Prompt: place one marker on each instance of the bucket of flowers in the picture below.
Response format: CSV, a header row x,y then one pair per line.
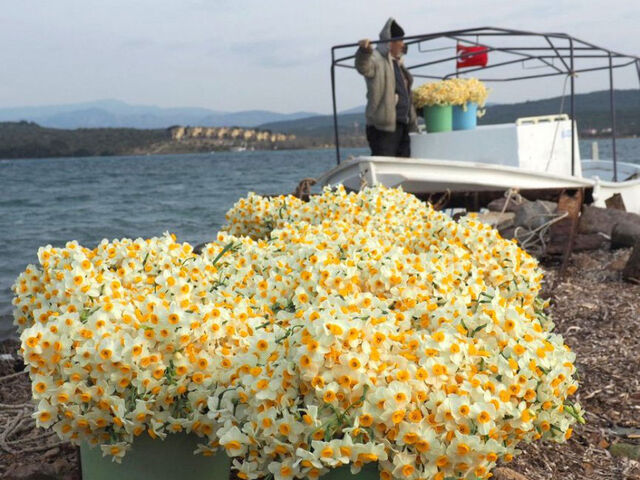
x,y
358,335
436,100
471,96
451,104
118,356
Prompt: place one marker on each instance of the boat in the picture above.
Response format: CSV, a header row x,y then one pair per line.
x,y
538,155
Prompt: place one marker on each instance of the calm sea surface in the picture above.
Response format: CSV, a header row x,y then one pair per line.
x,y
54,200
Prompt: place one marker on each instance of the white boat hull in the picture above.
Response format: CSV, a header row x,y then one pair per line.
x,y
422,175
601,171
534,153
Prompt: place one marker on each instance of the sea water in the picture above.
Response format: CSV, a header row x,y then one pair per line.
x,y
55,200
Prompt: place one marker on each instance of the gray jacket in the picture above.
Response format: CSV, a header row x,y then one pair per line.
x,y
377,68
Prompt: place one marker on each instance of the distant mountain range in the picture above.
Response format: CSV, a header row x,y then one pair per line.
x,y
592,110
97,135
117,114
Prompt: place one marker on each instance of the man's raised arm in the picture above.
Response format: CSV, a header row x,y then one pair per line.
x,y
364,65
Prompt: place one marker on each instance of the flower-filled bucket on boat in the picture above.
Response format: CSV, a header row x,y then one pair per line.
x,y
438,118
465,117
463,95
168,459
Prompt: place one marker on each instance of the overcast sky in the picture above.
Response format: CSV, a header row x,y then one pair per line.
x,y
242,54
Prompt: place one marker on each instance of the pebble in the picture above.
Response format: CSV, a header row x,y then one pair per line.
x,y
504,473
628,450
52,453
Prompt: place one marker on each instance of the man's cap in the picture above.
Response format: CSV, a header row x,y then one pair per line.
x,y
396,30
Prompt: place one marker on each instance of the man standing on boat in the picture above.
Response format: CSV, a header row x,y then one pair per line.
x,y
390,113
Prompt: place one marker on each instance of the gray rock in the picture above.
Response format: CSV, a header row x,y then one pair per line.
x,y
498,205
628,450
198,248
533,215
496,219
508,232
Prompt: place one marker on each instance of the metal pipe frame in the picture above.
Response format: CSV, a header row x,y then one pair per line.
x,y
613,123
573,110
335,108
543,75
567,55
510,50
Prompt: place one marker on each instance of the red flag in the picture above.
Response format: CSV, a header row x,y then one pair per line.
x,y
472,56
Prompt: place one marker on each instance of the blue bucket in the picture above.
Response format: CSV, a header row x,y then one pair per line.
x,y
465,120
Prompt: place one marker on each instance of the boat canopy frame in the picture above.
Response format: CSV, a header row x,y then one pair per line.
x,y
569,52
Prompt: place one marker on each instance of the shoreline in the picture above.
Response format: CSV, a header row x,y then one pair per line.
x,y
25,139
346,143
144,155
19,140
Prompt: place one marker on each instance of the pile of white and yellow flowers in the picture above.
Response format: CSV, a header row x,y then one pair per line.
x,y
355,328
452,91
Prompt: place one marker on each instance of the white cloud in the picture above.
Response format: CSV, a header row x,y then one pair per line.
x,y
245,54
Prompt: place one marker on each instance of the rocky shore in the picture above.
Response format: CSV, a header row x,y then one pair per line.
x,y
596,312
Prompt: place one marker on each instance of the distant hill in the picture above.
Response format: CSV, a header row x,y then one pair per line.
x,y
592,112
30,140
117,114
321,126
358,109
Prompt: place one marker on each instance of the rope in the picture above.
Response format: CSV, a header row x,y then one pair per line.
x,y
13,375
17,423
12,424
49,433
16,406
555,133
509,193
533,240
18,431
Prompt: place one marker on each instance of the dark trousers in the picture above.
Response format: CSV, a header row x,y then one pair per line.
x,y
389,144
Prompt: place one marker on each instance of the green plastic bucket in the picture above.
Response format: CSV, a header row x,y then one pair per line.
x,y
168,459
438,118
368,472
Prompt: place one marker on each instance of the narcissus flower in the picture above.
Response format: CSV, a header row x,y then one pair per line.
x,y
355,329
452,91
